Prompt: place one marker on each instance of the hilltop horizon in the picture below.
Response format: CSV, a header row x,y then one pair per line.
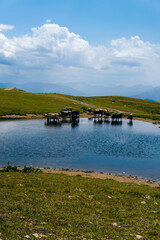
x,y
137,91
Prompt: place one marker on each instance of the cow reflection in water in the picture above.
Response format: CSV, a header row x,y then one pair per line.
x,y
107,121
98,121
130,123
116,123
62,122
53,124
75,124
130,117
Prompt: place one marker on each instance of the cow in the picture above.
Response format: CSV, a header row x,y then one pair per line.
x,y
52,116
106,113
90,111
116,116
67,109
75,113
98,112
65,114
130,117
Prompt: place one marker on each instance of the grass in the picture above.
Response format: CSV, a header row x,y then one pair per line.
x,y
140,108
21,103
57,206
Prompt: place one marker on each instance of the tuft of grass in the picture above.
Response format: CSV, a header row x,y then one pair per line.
x,y
57,206
9,168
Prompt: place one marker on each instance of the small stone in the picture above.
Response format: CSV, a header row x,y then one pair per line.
x,y
148,197
153,211
39,235
115,224
91,196
27,236
36,235
143,202
139,237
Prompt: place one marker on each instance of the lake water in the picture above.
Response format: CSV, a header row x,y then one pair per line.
x,y
104,147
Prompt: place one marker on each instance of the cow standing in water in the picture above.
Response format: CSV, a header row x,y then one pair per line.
x,y
117,116
130,117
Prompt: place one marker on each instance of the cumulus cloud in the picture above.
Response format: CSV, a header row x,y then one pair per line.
x,y
4,27
53,53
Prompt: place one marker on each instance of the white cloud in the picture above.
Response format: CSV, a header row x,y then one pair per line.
x,y
4,27
52,53
48,21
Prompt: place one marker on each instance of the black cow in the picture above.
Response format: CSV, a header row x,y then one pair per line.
x,y
98,112
116,116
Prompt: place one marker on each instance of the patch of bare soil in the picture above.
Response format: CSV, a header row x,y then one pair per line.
x,y
8,89
27,116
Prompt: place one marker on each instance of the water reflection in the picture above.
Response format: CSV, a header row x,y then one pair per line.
x,y
75,124
98,121
62,122
116,123
130,123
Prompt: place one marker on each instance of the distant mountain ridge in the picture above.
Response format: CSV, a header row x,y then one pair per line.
x,y
38,87
153,95
84,89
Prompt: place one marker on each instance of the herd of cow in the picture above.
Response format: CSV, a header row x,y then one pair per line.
x,y
64,113
74,115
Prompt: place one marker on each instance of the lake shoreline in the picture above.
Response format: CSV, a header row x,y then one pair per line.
x,y
100,175
83,115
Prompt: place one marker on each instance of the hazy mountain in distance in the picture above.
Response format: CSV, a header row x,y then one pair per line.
x,y
120,90
153,95
38,87
84,89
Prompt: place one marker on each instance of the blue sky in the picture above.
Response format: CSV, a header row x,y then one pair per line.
x,y
119,39
97,21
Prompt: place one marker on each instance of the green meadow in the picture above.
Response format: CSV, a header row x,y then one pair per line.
x,y
57,206
19,102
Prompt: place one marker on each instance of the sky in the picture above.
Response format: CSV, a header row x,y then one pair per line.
x,y
105,42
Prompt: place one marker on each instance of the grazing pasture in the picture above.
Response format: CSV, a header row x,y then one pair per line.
x,y
57,206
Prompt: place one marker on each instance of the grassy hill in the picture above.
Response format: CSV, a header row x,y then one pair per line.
x,y
19,102
57,206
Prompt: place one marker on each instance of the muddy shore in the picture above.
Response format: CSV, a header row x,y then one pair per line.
x,y
100,175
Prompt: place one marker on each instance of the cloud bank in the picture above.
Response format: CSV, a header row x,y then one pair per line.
x,y
52,53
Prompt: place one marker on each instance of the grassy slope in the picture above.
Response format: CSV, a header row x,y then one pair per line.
x,y
65,207
20,102
139,107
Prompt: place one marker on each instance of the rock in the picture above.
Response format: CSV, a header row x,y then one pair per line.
x,y
139,237
143,202
90,197
148,197
39,235
115,224
27,236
